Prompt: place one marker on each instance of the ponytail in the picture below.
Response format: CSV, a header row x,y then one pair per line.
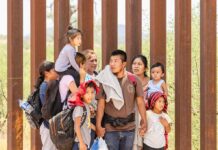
x,y
39,81
44,66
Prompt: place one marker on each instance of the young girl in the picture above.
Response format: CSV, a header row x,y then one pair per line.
x,y
46,74
65,63
83,98
139,68
157,84
158,123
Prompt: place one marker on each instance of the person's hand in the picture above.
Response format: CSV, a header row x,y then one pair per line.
x,y
100,131
141,132
163,121
82,146
82,74
143,128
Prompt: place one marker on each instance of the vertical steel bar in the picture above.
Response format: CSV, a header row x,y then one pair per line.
x,y
38,52
15,74
109,29
183,74
208,74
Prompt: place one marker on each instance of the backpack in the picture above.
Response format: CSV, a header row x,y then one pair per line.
x,y
132,78
53,104
34,115
61,128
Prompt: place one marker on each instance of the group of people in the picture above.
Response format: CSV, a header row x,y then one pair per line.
x,y
115,99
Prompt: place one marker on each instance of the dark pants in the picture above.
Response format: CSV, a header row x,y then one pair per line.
x,y
146,147
120,140
76,146
93,134
73,72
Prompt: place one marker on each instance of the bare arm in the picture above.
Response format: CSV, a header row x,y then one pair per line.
x,y
164,87
99,116
82,74
142,111
73,87
168,128
166,125
93,127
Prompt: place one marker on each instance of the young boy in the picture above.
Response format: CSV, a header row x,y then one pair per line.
x,y
82,125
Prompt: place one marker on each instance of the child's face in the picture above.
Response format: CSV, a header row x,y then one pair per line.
x,y
159,105
89,96
76,41
138,67
156,73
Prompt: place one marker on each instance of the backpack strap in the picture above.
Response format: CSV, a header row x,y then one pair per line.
x,y
132,78
84,116
65,101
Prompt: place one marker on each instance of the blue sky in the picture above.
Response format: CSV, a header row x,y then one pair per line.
x,y
121,12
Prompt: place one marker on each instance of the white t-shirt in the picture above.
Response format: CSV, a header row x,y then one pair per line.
x,y
154,137
64,86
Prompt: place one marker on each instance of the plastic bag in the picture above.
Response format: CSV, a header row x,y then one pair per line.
x,y
99,144
95,145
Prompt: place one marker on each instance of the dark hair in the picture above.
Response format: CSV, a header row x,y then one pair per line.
x,y
144,60
44,66
158,64
72,33
85,85
121,53
91,85
80,58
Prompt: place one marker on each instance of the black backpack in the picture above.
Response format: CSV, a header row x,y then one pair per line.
x,y
35,116
61,128
53,104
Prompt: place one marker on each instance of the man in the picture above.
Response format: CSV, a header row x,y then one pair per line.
x,y
119,92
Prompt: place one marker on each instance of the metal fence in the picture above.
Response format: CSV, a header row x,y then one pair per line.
x,y
133,47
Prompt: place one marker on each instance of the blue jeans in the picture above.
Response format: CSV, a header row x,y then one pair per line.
x,y
120,140
76,146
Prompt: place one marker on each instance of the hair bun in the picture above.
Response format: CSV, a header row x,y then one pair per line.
x,y
69,27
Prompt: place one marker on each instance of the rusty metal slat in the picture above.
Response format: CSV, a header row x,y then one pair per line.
x,y
85,23
61,22
109,29
15,74
133,29
208,74
158,31
38,52
183,74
